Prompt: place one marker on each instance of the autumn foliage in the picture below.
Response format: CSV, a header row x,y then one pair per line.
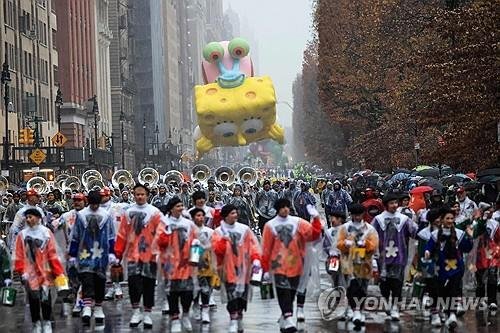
x,y
389,74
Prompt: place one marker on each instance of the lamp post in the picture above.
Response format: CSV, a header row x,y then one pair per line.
x,y
144,129
122,122
59,103
5,83
95,111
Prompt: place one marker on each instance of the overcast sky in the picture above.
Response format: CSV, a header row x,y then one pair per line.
x,y
281,29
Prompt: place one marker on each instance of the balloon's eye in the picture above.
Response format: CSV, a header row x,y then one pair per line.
x,y
225,129
252,125
238,48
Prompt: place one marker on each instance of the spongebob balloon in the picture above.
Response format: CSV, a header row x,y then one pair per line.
x,y
234,108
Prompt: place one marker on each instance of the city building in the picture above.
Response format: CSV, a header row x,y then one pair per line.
x,y
123,89
231,24
29,48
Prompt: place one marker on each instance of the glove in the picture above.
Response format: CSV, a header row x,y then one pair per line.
x,y
266,277
312,211
195,242
348,243
112,259
7,282
256,263
72,262
361,243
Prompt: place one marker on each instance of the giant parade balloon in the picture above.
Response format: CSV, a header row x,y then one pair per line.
x,y
233,108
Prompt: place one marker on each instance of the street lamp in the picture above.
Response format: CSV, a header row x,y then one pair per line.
x,y
59,103
5,83
95,111
122,122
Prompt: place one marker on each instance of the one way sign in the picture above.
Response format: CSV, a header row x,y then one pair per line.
x,y
59,139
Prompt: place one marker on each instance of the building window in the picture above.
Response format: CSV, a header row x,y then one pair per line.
x,y
42,32
54,39
55,74
8,9
30,65
42,3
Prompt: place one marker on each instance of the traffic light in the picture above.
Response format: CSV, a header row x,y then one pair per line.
x,y
26,136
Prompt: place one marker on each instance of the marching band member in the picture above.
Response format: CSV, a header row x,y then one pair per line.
x,y
91,250
32,201
207,277
330,240
302,199
185,196
357,241
447,246
37,263
241,203
162,198
467,206
134,242
283,245
394,230
62,231
264,203
176,235
237,251
199,200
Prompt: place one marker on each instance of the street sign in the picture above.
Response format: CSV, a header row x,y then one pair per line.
x,y
37,156
59,139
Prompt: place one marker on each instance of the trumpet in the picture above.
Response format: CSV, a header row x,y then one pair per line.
x,y
248,175
71,183
225,176
148,176
201,172
38,184
173,176
122,177
89,176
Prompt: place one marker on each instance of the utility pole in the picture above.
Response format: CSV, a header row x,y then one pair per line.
x,y
59,103
95,111
5,83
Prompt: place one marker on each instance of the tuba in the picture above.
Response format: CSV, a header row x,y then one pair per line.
x,y
95,185
201,172
89,176
4,184
225,176
122,177
173,176
248,175
59,182
71,183
148,176
38,184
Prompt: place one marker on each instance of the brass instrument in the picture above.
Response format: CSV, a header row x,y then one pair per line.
x,y
173,176
148,176
90,175
95,185
38,184
71,183
201,172
59,182
4,184
122,177
225,176
248,175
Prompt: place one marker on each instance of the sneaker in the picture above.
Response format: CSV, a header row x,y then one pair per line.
x,y
205,315
98,315
37,327
186,322
148,322
75,312
493,309
47,326
357,318
281,323
175,326
395,314
436,320
426,314
197,312
233,326
86,314
165,309
240,325
110,295
136,318
118,291
211,303
300,314
451,322
289,326
66,309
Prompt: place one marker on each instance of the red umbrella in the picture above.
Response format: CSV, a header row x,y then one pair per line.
x,y
421,189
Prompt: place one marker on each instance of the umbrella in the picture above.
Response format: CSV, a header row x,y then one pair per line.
x,y
399,176
401,170
455,179
422,167
434,183
421,189
428,172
